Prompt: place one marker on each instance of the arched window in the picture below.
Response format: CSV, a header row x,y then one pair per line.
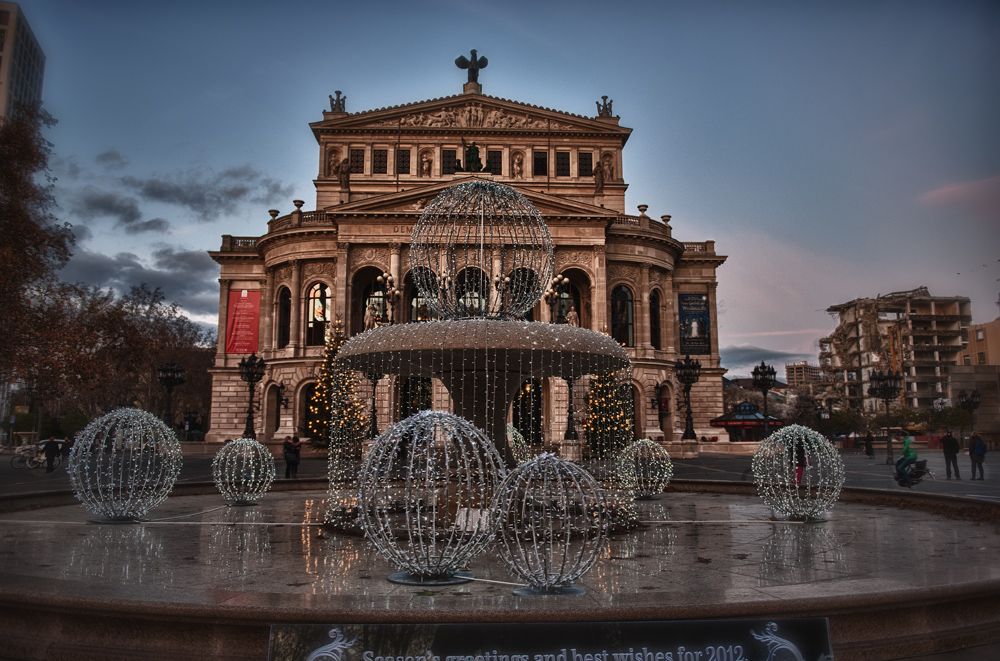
x,y
284,317
472,291
622,317
418,307
367,290
654,319
317,314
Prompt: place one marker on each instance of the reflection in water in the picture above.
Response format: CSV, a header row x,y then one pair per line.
x,y
800,554
241,543
126,553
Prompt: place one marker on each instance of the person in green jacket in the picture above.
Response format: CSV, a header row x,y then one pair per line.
x,y
908,457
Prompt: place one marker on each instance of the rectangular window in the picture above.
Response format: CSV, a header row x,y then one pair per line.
x,y
982,357
562,163
586,164
494,162
966,360
357,161
541,164
448,161
380,161
979,333
402,161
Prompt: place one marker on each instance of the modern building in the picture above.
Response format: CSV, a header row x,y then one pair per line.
x,y
22,63
983,347
909,331
376,170
802,374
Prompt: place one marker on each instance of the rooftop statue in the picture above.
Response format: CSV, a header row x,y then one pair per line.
x,y
473,65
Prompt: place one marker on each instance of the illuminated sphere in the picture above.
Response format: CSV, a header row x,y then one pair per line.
x,y
124,464
798,472
481,250
551,523
646,466
518,446
425,490
243,471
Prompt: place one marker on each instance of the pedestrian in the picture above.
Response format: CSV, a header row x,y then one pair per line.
x,y
870,445
950,447
292,446
908,457
51,454
977,452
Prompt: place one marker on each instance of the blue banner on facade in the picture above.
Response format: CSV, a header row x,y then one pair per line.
x,y
805,639
695,324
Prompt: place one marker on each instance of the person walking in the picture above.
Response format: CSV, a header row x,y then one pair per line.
x,y
292,447
51,454
909,456
869,445
977,452
950,447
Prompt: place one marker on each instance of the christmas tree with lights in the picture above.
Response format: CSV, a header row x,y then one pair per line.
x,y
337,413
609,415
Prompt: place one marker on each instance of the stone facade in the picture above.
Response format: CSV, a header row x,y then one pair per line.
x,y
377,170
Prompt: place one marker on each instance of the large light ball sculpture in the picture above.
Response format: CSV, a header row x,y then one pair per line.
x,y
425,490
551,524
124,464
243,471
798,472
481,250
646,466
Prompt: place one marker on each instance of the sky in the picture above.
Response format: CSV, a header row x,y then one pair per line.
x,y
833,150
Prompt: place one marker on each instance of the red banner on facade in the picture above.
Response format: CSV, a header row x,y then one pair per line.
x,y
242,321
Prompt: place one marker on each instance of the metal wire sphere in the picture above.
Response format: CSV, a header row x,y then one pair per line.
x,y
481,249
798,472
425,490
518,446
243,471
550,517
647,467
124,464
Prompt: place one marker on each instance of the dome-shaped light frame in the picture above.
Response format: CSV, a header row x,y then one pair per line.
x,y
243,471
647,467
124,464
550,517
481,250
426,486
798,472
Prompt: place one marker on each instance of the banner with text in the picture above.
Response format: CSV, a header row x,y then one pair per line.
x,y
242,321
695,324
806,639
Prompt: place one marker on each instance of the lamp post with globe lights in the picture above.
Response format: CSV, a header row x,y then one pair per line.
x,y
391,295
251,371
170,375
763,380
688,372
886,386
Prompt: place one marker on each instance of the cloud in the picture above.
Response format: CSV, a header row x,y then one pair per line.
x,y
185,276
93,203
82,233
209,194
980,199
740,359
159,225
111,160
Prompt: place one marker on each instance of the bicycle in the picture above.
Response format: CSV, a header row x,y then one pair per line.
x,y
31,457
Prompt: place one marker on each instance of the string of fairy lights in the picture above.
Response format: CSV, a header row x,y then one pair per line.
x,y
243,471
124,464
798,472
646,467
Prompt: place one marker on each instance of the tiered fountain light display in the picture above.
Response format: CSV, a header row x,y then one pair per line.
x,y
798,472
124,464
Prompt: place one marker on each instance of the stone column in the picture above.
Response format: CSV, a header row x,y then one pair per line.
x,y
669,317
294,341
340,303
642,314
712,286
599,295
394,257
220,350
267,312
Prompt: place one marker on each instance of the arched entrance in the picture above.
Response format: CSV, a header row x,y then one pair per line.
x,y
527,413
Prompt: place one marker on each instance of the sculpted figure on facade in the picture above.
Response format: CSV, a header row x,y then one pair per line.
x,y
598,180
609,168
572,317
342,171
371,317
517,167
425,164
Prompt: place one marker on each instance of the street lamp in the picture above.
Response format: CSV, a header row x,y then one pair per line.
x,y
970,404
251,371
763,380
391,294
886,386
170,375
688,371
